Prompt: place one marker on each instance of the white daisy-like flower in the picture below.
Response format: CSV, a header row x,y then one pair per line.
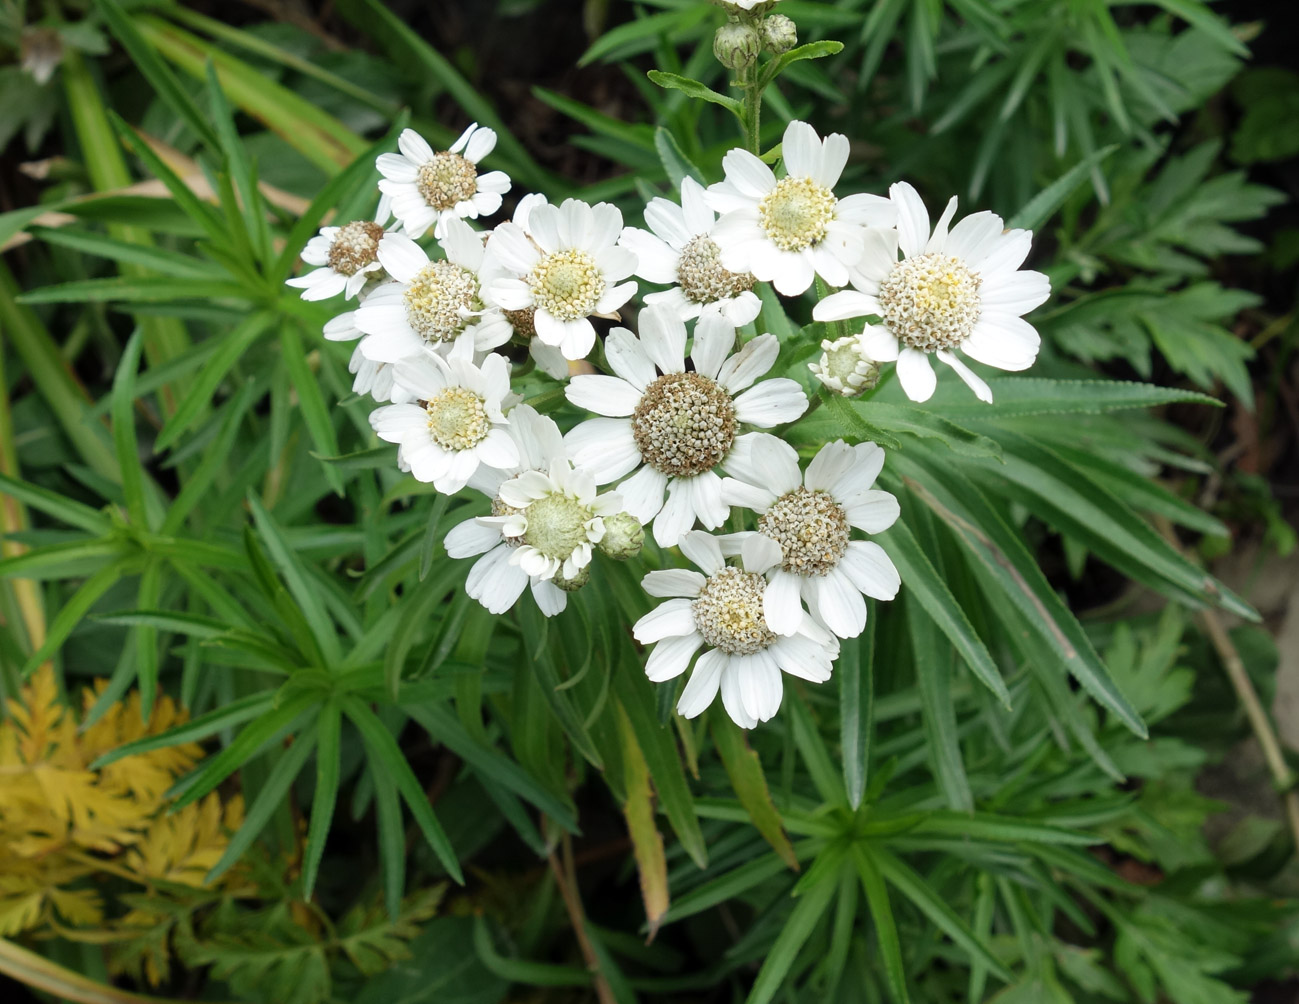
x,y
958,289
677,425
811,517
523,321
455,422
346,258
722,611
429,188
430,303
846,367
373,378
566,267
499,576
787,232
682,253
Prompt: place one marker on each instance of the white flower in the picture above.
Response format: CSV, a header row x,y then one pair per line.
x,y
347,258
952,290
523,321
428,187
682,253
674,425
811,518
722,611
787,231
430,303
845,367
498,577
455,422
566,268
373,378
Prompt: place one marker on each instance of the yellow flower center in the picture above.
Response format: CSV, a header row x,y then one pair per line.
x,y
447,179
931,301
567,284
796,212
457,419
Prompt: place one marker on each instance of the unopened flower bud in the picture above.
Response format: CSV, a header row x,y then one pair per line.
x,y
779,33
845,367
737,46
623,536
572,585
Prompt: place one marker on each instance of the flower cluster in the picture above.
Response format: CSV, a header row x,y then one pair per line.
x,y
685,420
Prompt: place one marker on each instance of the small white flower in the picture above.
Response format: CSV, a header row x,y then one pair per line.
x,y
430,188
499,576
455,422
346,257
952,290
430,303
566,267
682,253
722,610
523,321
787,232
674,425
845,366
811,518
373,378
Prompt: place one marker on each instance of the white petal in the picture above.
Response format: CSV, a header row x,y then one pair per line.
x,y
839,606
642,493
751,362
939,236
870,570
513,249
706,499
747,173
732,700
868,461
673,582
975,238
1015,293
698,218
845,305
759,553
471,537
668,221
704,550
677,516
741,462
972,380
672,655
831,463
771,403
880,343
395,167
800,149
702,686
550,598
656,261
913,218
604,395
746,496
714,337
781,607
916,374
605,447
495,582
670,619
873,511
663,337
414,147
1008,254
627,358
1004,341
481,143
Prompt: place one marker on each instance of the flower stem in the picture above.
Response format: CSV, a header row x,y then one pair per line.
x,y
753,89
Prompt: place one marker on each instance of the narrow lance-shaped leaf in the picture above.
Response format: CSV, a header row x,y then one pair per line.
x,y
646,841
750,785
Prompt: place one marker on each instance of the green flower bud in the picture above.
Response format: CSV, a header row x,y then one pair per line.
x,y
737,46
623,536
779,33
572,585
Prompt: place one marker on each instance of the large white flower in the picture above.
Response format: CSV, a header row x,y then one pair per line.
x,y
499,576
722,610
455,422
787,232
682,253
430,303
811,518
958,289
428,188
677,425
346,257
566,267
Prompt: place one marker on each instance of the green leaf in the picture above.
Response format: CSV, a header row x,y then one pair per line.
x,y
1042,206
921,580
328,754
299,582
886,928
163,82
933,666
72,612
675,161
646,841
933,906
1002,553
135,289
694,89
166,261
856,673
812,50
128,451
64,509
728,886
195,730
811,747
1026,396
745,772
270,798
803,919
311,401
527,973
542,659
385,755
267,726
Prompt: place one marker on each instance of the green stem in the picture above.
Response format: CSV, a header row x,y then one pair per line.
x,y
752,110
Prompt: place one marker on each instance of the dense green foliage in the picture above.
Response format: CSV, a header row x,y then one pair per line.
x,y
197,506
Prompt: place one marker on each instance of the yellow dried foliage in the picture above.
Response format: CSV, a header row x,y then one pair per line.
x,y
64,826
